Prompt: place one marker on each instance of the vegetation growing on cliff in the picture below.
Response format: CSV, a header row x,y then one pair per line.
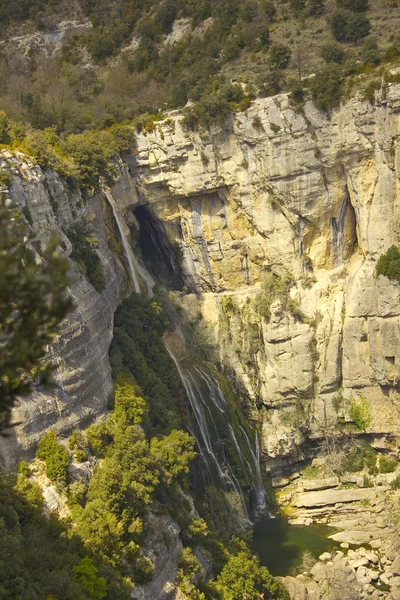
x,y
389,264
277,287
137,349
83,252
100,547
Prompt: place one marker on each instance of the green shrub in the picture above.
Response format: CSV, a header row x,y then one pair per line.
x,y
279,56
5,178
327,87
332,52
83,243
360,457
244,577
23,468
387,464
55,456
348,26
359,414
275,287
85,573
4,128
389,264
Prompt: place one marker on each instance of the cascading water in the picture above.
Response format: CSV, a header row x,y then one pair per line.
x,y
134,267
222,440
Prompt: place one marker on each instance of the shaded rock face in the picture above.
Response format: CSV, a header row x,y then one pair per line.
x,y
163,546
288,192
80,351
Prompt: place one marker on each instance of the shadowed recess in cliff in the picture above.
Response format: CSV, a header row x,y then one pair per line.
x,y
343,232
162,257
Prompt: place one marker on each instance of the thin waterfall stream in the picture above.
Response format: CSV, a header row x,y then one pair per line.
x,y
135,269
219,430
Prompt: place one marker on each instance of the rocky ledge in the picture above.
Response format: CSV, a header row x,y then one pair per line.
x,y
363,510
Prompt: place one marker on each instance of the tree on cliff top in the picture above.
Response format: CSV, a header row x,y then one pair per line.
x,y
33,302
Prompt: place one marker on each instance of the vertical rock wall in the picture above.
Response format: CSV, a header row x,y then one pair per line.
x,y
80,351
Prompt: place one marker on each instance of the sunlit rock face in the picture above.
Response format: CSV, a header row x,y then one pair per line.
x,y
287,191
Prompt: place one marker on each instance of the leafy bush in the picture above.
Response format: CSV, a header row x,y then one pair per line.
x,y
332,52
174,452
77,444
38,553
359,414
5,178
360,457
279,56
83,252
55,456
244,577
389,264
327,87
85,573
387,464
348,26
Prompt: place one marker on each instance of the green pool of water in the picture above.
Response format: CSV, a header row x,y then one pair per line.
x,y
280,546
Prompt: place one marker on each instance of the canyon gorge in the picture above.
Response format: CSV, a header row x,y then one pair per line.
x,y
265,232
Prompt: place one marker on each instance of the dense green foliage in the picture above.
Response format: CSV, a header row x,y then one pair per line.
x,y
348,26
33,301
359,414
244,577
137,349
389,263
42,558
387,464
84,253
361,457
326,87
110,517
55,456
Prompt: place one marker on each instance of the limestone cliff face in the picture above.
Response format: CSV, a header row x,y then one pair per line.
x,y
289,192
80,352
277,190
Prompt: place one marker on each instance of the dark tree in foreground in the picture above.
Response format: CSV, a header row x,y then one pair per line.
x,y
33,302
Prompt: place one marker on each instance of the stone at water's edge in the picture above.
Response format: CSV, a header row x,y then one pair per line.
x,y
324,498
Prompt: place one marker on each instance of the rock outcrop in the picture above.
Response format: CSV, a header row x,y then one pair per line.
x,y
290,192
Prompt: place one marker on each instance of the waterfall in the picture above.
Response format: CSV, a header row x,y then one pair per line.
x,y
225,448
135,268
230,452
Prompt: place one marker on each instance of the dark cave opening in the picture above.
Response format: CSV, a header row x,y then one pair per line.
x,y
162,257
